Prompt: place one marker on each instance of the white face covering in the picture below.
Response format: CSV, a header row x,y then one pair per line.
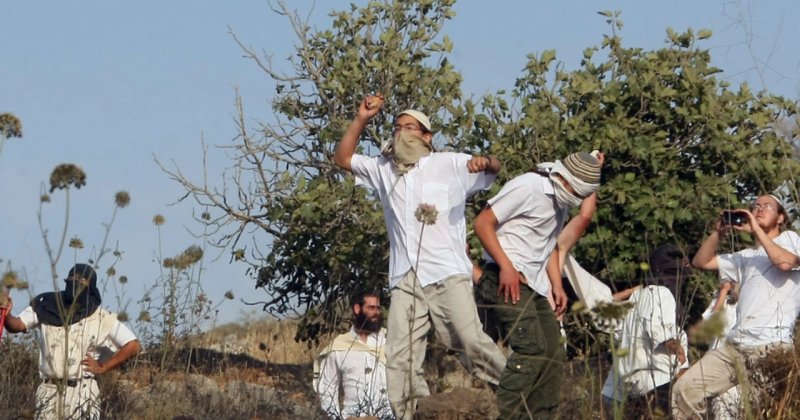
x,y
564,198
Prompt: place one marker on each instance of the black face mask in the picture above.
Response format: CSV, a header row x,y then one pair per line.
x,y
77,300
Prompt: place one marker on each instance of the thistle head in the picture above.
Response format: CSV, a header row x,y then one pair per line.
x,y
66,175
426,213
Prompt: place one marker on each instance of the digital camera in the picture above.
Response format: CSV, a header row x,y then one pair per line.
x,y
734,217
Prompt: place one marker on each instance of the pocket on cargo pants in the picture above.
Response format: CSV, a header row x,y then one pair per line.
x,y
526,336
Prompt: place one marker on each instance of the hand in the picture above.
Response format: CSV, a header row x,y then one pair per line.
x,y
600,156
478,164
753,225
92,365
6,304
370,106
477,273
750,226
509,285
560,299
681,356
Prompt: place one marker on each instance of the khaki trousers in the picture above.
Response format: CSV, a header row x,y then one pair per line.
x,y
716,372
450,307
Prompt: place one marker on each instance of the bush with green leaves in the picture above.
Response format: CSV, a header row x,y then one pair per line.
x,y
680,144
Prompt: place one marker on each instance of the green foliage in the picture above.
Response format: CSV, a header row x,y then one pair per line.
x,y
319,238
680,144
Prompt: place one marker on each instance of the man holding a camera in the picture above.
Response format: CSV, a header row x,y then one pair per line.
x,y
769,300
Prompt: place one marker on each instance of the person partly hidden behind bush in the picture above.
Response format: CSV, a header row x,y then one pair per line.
x,y
651,348
356,363
717,321
72,328
769,302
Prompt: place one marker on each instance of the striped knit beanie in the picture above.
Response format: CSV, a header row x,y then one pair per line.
x,y
583,166
581,170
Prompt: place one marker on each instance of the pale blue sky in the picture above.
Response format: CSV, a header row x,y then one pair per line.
x,y
109,84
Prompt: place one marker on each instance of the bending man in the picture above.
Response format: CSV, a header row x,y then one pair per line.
x,y
519,230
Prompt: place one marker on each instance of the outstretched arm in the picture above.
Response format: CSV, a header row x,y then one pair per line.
x,y
368,108
624,294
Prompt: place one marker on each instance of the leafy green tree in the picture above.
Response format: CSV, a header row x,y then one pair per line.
x,y
680,144
308,235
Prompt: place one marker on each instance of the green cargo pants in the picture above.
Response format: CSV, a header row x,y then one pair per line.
x,y
530,386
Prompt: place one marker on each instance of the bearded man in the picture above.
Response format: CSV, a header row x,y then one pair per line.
x,y
354,364
429,270
769,301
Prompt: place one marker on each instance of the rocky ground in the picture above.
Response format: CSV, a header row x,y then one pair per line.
x,y
255,373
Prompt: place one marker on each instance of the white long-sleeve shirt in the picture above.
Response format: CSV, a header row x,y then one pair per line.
x,y
650,323
362,377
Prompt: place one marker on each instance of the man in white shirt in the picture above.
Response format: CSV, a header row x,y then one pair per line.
x,y
72,328
769,302
429,270
520,233
355,363
651,347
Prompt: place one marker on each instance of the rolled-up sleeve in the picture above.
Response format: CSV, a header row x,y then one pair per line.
x,y
366,171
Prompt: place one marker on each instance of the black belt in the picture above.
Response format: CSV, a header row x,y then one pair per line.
x,y
72,383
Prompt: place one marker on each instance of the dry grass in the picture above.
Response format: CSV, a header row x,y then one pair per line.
x,y
269,340
272,378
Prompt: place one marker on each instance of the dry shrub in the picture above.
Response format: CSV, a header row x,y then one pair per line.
x,y
19,376
776,380
270,340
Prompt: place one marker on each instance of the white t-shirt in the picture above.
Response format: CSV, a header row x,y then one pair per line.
x,y
529,222
650,323
101,329
769,299
441,179
362,377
